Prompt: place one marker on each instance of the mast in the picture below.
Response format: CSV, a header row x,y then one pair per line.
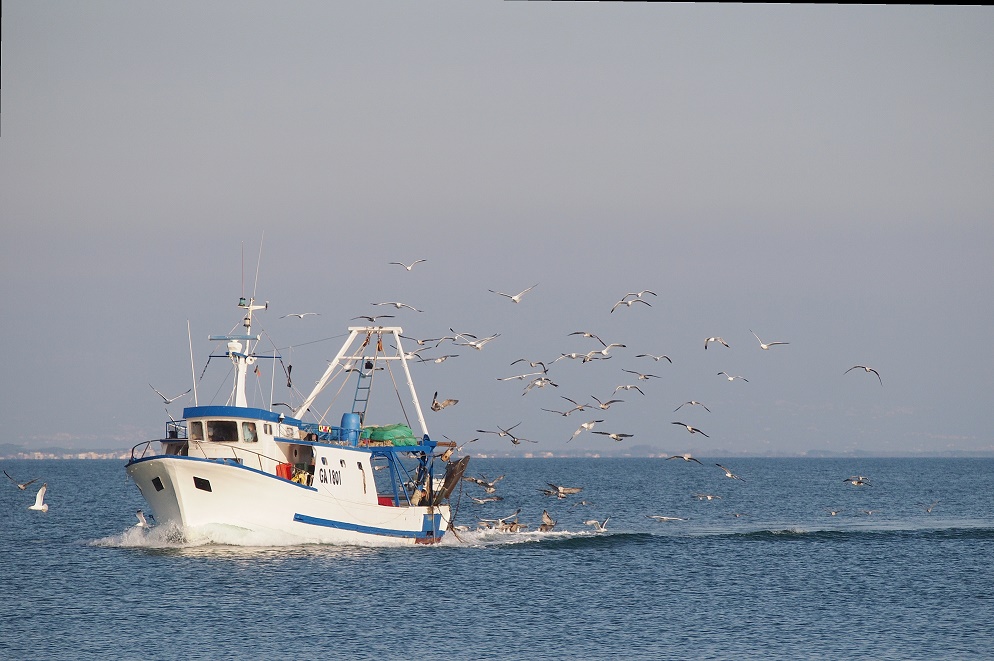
x,y
241,360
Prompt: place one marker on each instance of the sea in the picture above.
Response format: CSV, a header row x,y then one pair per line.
x,y
789,562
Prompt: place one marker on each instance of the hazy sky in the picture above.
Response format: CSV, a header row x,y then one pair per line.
x,y
821,175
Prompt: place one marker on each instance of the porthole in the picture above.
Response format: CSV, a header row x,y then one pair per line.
x,y
157,483
202,484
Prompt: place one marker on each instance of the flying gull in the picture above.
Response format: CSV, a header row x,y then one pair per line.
x,y
714,339
417,261
692,430
868,369
516,297
20,485
765,346
40,504
168,400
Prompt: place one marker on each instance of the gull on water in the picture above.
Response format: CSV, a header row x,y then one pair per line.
x,y
417,261
663,519
599,526
20,485
548,523
692,403
515,297
707,496
142,521
692,430
765,346
40,504
732,378
867,369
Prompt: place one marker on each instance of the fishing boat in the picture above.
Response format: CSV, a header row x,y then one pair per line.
x,y
303,479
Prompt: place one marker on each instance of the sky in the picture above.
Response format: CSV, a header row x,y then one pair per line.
x,y
820,175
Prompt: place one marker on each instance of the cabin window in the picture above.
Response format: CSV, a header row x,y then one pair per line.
x,y
196,431
221,431
267,429
248,432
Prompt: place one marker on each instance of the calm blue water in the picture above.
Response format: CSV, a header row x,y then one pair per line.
x,y
784,580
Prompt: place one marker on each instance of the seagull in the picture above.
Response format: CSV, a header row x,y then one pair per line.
x,y
478,344
585,426
868,369
729,473
439,359
692,430
439,405
832,512
586,334
685,457
21,485
532,363
928,508
142,521
417,261
561,491
298,315
616,437
707,496
642,377
655,357
548,523
629,387
399,305
599,526
445,456
858,480
765,347
502,432
605,405
629,303
603,352
373,318
732,378
638,294
488,485
520,377
692,402
517,297
168,400
661,518
40,504
714,339
539,382
488,499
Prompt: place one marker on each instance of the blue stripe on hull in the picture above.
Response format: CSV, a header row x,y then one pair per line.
x,y
427,527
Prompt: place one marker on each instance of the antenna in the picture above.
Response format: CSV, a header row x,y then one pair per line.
x,y
243,269
193,370
258,265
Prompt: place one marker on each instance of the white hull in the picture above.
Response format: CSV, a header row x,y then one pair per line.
x,y
276,508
